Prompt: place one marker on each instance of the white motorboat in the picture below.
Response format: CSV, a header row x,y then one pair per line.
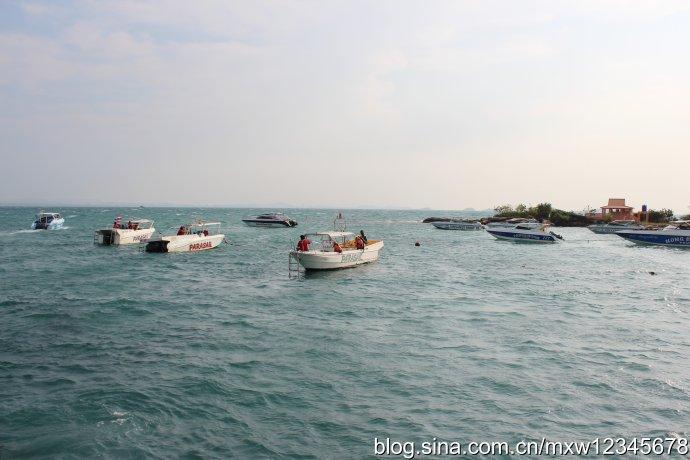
x,y
321,254
273,219
198,236
525,234
458,224
48,221
135,231
677,234
512,223
615,226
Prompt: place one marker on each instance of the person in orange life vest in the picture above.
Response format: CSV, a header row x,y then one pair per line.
x,y
337,248
359,242
303,243
182,231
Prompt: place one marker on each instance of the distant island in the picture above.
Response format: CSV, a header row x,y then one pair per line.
x,y
545,212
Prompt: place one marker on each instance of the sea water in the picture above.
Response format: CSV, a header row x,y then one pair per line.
x,y
114,352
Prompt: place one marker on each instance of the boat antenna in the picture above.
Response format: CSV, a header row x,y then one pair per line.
x,y
339,224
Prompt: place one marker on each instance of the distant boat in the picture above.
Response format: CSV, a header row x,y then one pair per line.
x,y
615,226
677,234
273,219
48,221
459,224
511,223
136,231
525,234
198,236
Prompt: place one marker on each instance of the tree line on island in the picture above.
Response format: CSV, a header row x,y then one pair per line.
x,y
558,217
561,218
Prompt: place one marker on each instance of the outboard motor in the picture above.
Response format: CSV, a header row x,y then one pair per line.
x,y
157,246
556,235
291,223
108,236
40,225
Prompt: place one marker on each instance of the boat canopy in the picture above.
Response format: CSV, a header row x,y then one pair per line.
x,y
202,224
333,235
44,214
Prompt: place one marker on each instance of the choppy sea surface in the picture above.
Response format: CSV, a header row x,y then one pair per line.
x,y
117,353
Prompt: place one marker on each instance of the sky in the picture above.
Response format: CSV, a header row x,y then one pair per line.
x,y
413,104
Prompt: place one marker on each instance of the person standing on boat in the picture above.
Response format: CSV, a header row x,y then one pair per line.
x,y
364,238
303,243
359,242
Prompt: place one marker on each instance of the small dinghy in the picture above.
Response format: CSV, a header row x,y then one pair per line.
x,y
48,221
676,234
198,236
134,231
458,224
273,219
524,234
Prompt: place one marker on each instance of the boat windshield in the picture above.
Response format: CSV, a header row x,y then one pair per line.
x,y
212,228
272,216
323,241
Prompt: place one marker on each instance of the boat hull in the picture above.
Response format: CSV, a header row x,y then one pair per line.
x,y
268,224
522,236
55,224
672,238
320,260
184,243
117,236
465,226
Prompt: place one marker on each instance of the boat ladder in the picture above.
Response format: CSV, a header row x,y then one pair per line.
x,y
295,269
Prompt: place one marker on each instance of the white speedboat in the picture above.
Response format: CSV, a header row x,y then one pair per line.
x,y
198,236
273,219
134,231
525,234
512,223
615,226
458,224
322,255
48,221
677,234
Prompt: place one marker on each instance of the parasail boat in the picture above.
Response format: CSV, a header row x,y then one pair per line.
x,y
48,221
525,234
273,219
458,224
615,226
135,231
322,255
197,236
676,234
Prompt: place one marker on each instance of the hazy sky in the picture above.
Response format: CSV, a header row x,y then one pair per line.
x,y
328,103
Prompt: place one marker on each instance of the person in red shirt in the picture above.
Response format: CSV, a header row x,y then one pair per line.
x,y
303,243
182,231
359,242
337,248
